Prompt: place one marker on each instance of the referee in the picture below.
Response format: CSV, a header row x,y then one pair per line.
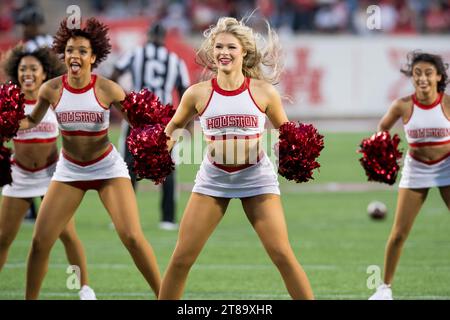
x,y
32,18
152,66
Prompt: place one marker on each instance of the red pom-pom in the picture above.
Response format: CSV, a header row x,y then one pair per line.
x,y
299,146
380,157
12,110
148,145
144,108
5,166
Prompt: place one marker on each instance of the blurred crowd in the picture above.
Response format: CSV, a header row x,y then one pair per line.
x,y
291,16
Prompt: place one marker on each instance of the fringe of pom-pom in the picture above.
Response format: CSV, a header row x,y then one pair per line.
x,y
147,141
145,108
12,110
380,157
148,145
298,148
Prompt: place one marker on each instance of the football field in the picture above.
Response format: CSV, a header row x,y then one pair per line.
x,y
329,229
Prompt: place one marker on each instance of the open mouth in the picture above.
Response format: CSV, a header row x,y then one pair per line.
x,y
75,67
28,81
224,61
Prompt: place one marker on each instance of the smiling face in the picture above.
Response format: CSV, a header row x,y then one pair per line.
x,y
31,74
78,56
228,53
425,78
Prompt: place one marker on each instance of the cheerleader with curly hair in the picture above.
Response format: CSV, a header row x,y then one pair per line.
x,y
35,157
81,101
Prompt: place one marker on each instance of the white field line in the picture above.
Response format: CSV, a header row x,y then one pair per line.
x,y
217,295
317,267
22,265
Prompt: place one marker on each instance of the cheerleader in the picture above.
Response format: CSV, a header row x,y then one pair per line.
x,y
81,101
426,119
35,156
232,107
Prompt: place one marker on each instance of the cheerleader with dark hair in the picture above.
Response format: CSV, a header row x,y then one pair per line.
x,y
35,156
81,101
426,119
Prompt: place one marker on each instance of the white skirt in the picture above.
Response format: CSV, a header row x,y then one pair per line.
x,y
253,180
27,183
107,166
417,174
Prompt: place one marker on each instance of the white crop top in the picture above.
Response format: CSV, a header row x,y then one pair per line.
x,y
232,114
45,131
428,124
78,111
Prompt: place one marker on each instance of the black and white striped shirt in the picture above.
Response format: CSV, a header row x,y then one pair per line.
x,y
40,41
155,68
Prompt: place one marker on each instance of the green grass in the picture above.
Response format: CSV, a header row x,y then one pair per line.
x,y
330,232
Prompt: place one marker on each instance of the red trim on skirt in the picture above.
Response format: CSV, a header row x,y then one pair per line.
x,y
430,162
84,133
35,140
21,166
231,169
88,163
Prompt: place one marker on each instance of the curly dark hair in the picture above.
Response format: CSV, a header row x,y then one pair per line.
x,y
50,62
436,60
95,31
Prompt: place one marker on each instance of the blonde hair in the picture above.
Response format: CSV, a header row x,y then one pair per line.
x,y
263,59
